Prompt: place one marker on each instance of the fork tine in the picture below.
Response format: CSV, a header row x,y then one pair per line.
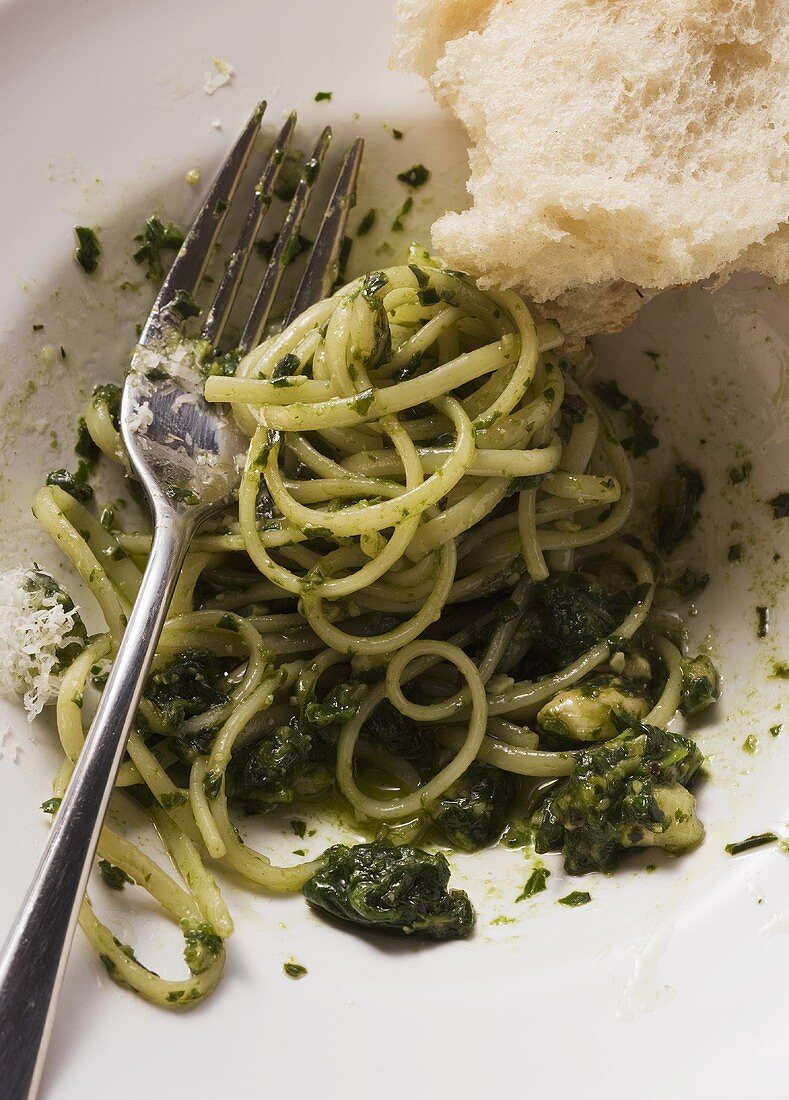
x,y
321,267
273,276
191,261
238,259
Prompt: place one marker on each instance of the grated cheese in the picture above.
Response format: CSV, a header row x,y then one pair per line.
x,y
185,399
140,419
30,637
222,75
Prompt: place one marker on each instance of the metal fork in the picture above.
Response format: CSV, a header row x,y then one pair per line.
x,y
184,453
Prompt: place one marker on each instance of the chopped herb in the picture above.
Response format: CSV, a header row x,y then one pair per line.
x,y
576,898
156,238
171,799
299,828
51,806
88,249
408,371
63,353
780,505
221,207
38,328
229,622
367,222
114,877
85,447
76,484
522,484
535,883
397,224
677,513
776,729
415,177
272,441
107,516
321,97
107,520
212,784
780,671
397,134
99,675
643,439
373,283
295,246
286,366
750,744
750,842
734,553
294,970
362,402
762,622
184,305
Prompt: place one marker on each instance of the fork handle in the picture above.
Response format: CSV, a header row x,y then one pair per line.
x,y
33,960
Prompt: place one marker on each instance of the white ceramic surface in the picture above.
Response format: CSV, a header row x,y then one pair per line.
x,y
668,984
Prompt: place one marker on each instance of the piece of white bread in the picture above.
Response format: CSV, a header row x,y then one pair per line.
x,y
618,146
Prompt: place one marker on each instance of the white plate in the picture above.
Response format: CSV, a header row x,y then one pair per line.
x,y
670,983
